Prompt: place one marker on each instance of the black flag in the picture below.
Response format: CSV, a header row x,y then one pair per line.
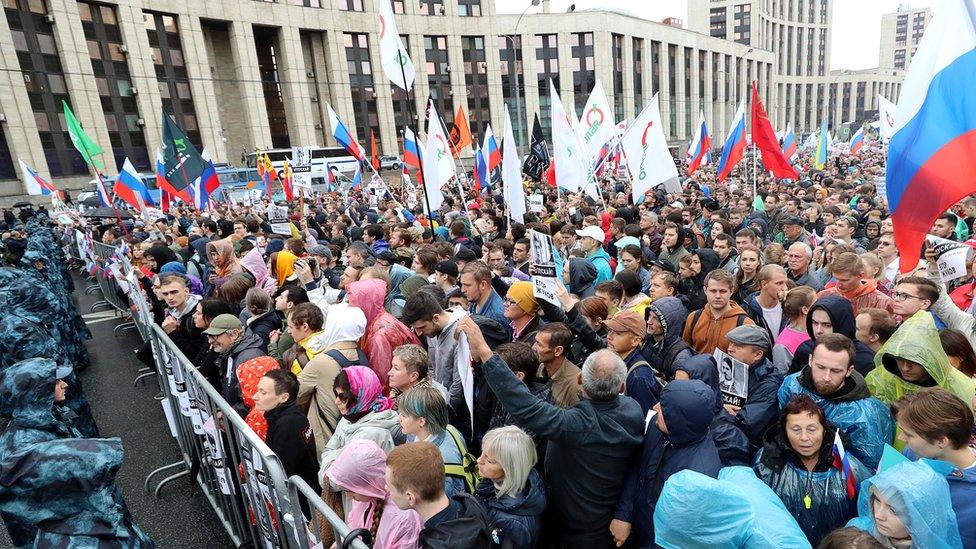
x,y
538,159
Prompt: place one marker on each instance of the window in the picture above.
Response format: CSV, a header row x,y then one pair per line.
x,y
547,55
742,23
476,81
717,22
439,74
513,88
7,170
266,46
638,62
361,85
431,7
164,40
672,87
398,7
655,66
352,5
584,75
469,8
44,79
308,3
617,45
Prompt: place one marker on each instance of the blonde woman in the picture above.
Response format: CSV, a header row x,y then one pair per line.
x,y
511,490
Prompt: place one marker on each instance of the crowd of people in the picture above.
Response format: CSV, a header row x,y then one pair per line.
x,y
741,364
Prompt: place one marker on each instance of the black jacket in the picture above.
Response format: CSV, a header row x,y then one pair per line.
x,y
247,348
187,337
466,529
263,325
290,438
841,315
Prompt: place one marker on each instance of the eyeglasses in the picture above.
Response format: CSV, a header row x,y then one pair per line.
x,y
902,296
342,396
510,301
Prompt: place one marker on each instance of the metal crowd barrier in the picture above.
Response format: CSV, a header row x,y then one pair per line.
x,y
112,294
241,477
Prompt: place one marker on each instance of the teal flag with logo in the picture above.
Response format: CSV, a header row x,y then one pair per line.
x,y
181,161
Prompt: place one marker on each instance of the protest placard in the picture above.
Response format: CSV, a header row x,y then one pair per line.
x,y
535,203
541,258
733,378
278,218
951,257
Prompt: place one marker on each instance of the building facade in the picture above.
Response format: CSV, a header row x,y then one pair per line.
x,y
853,95
244,74
900,34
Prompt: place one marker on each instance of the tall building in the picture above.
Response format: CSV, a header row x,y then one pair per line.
x,y
244,74
900,34
798,31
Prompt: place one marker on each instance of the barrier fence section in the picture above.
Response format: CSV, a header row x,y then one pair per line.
x,y
242,478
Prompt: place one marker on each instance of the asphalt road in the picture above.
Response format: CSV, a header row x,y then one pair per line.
x,y
181,517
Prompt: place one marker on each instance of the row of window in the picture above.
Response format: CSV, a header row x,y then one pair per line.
x,y
466,8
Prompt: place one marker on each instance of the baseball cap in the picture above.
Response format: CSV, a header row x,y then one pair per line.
x,y
594,232
63,371
792,220
627,321
664,266
389,256
750,334
447,267
222,324
321,251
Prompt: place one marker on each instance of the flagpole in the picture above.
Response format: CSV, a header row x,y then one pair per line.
x,y
416,134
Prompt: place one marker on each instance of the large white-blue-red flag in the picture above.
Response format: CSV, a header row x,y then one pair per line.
x,y
789,143
345,139
735,143
700,148
857,140
130,188
34,183
492,153
932,154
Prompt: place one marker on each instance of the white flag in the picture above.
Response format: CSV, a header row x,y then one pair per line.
x,y
438,162
512,174
646,149
396,61
886,117
596,122
570,165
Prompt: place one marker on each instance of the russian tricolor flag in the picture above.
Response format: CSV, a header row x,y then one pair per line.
x,y
341,134
843,464
789,144
491,151
932,154
34,183
411,153
735,143
130,188
481,180
699,151
857,140
357,178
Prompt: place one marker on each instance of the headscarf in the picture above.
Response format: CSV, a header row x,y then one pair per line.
x,y
284,266
226,262
249,374
364,383
162,255
343,323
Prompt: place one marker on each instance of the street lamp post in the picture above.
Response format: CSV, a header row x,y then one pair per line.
x,y
512,72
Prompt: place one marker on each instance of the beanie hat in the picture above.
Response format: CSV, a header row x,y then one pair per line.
x,y
521,293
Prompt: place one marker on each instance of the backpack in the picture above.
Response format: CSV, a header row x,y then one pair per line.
x,y
740,319
336,355
467,469
661,380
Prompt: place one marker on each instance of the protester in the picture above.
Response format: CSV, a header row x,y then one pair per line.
x,y
360,471
415,480
677,439
907,505
227,337
663,347
511,490
797,462
289,434
409,369
383,331
423,415
730,440
874,327
833,314
935,424
706,329
552,342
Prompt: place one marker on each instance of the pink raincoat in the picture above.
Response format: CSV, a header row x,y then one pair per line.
x,y
383,331
254,263
361,468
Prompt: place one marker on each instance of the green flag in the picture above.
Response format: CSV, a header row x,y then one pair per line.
x,y
85,145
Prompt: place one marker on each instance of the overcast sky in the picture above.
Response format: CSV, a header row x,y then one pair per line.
x,y
856,25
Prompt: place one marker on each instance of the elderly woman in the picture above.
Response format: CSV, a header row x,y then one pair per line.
x,y
511,491
796,461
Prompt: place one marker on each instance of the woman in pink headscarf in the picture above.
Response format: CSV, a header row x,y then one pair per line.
x,y
360,471
383,331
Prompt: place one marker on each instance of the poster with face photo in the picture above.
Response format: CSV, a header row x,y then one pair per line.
x,y
733,378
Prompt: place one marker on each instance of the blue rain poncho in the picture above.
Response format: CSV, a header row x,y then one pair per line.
x,y
735,511
920,498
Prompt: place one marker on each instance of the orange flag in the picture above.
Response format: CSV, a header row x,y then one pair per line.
x,y
460,133
373,156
